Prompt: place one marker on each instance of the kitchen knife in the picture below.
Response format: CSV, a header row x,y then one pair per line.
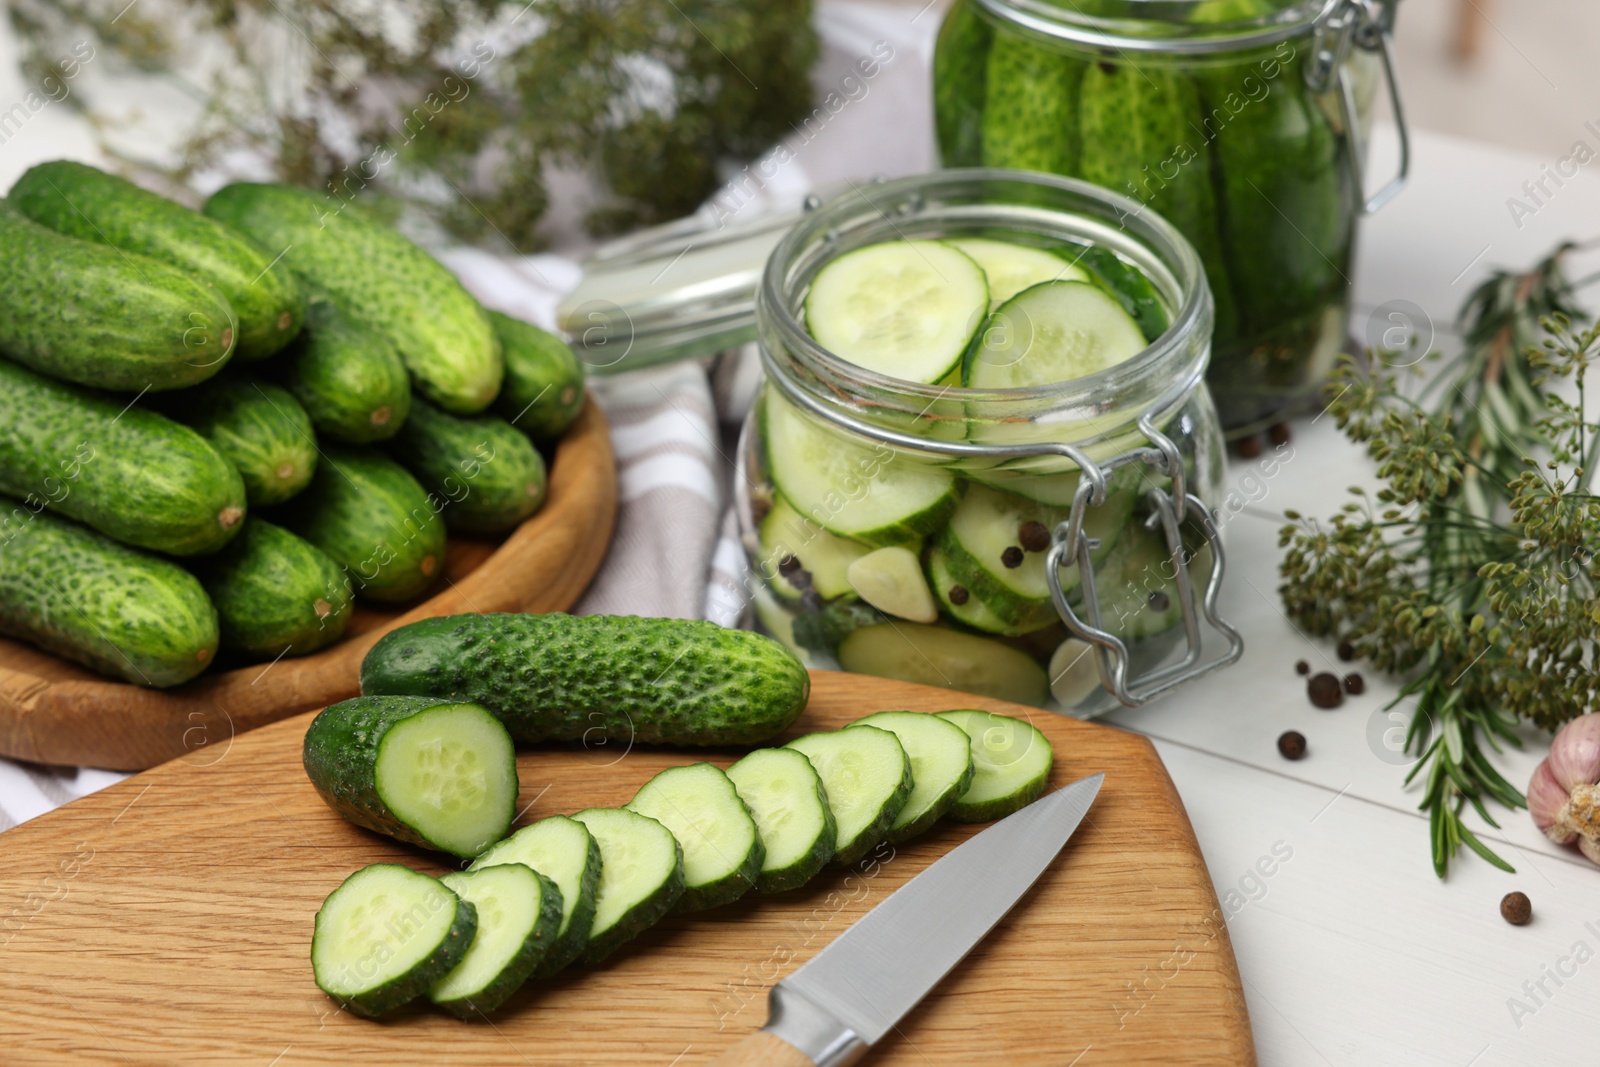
x,y
830,1011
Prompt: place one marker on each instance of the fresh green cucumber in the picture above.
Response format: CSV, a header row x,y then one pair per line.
x,y
722,852
564,851
347,376
487,470
1051,332
386,935
798,555
641,877
1011,268
1030,119
890,579
88,599
580,678
933,655
961,603
960,80
866,777
85,313
543,388
518,911
126,471
786,798
902,308
941,767
1128,286
258,427
380,278
85,202
870,494
1012,762
372,517
275,594
426,771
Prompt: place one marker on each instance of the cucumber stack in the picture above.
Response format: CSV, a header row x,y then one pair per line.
x,y
243,475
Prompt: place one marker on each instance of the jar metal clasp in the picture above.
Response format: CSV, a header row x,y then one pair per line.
x,y
1368,25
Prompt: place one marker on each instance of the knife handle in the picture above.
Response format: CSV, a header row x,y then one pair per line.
x,y
762,1049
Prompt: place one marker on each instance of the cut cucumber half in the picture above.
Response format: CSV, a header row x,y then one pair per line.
x,y
426,771
641,877
1011,268
867,777
902,308
933,655
722,850
871,494
386,935
564,851
822,557
1012,761
785,796
519,912
1052,332
941,766
1129,287
890,579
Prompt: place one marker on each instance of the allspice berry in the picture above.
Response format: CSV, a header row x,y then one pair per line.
x,y
1354,684
959,595
1279,433
1292,744
1248,447
1516,909
1012,557
1347,651
1034,535
1302,667
1324,691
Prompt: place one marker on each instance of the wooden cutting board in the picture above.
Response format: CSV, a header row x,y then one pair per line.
x,y
167,920
52,711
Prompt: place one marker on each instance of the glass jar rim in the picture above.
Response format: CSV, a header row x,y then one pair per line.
x,y
1048,19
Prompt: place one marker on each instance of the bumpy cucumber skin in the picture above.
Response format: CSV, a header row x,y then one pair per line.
x,y
365,511
489,471
583,678
87,203
381,278
543,388
275,594
737,882
85,313
1030,115
347,376
645,914
415,982
340,754
876,832
988,811
258,427
88,599
131,474
1128,286
960,82
519,968
884,720
810,865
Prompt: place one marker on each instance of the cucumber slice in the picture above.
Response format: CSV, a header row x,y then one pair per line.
x,y
1013,765
1052,332
1074,675
519,913
959,602
641,877
933,655
875,494
423,770
1011,268
1128,286
866,776
386,935
941,766
564,851
903,308
824,557
890,579
785,796
722,850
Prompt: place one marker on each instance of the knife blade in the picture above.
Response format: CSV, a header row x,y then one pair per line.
x,y
843,1000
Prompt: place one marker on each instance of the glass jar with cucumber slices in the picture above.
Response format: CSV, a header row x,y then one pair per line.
x,y
983,454
1243,122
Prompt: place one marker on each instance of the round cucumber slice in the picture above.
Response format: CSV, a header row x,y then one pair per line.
x,y
1011,268
903,308
519,911
1012,760
722,851
564,851
1052,332
941,766
866,776
449,772
641,877
786,798
933,655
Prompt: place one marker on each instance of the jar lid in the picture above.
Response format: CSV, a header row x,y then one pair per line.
x,y
1189,27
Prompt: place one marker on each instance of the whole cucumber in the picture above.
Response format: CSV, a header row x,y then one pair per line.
x,y
98,316
543,388
259,428
1030,108
366,512
347,376
86,598
960,84
275,594
584,678
381,278
485,467
85,202
126,471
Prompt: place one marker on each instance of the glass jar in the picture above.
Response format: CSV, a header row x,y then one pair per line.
x,y
1054,541
1243,122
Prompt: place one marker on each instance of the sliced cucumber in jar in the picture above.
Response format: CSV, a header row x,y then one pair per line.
x,y
1136,585
786,798
906,309
722,852
890,579
641,877
941,766
820,559
1049,333
519,912
564,851
1012,761
1012,268
866,776
934,655
1128,286
962,604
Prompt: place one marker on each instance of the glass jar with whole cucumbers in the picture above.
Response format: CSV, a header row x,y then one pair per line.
x,y
1243,122
984,452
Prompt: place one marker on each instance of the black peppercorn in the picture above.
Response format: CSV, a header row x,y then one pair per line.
x,y
1302,667
1012,557
1158,601
959,595
1324,691
788,565
1279,434
1354,684
1516,909
1248,447
1292,744
1347,651
1034,535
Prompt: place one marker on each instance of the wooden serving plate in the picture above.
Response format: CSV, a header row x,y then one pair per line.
x,y
167,920
52,711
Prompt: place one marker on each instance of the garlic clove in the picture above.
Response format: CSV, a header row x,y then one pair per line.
x,y
1575,753
1546,798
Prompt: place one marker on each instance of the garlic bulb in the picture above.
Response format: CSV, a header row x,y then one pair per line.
x,y
1564,795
